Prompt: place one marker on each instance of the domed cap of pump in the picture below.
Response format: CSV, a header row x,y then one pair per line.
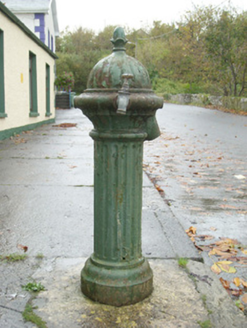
x,y
108,72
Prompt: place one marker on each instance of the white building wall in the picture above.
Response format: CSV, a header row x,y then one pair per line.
x,y
49,27
27,19
30,21
16,74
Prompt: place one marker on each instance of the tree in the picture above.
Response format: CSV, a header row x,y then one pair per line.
x,y
226,45
77,52
206,51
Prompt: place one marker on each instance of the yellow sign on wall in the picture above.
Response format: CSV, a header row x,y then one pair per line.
x,y
21,77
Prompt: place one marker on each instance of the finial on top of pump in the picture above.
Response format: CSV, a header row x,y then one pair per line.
x,y
119,39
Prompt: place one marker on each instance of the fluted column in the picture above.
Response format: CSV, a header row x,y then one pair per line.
x,y
117,273
117,198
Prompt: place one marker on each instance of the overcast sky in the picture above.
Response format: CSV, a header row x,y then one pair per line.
x,y
96,14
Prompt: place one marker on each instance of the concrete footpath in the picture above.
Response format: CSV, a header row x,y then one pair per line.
x,y
46,205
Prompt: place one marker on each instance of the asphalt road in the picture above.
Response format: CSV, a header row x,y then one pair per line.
x,y
199,165
200,161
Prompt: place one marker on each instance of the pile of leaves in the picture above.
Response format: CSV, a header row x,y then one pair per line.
x,y
230,254
65,125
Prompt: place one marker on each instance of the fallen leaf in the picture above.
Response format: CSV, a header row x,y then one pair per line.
x,y
239,259
224,262
237,293
224,266
191,230
213,228
72,166
65,125
225,283
216,251
244,251
199,248
158,188
244,299
244,283
24,248
215,268
203,248
237,281
228,206
227,241
241,307
232,270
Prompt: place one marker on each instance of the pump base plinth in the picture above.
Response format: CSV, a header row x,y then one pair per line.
x,y
117,285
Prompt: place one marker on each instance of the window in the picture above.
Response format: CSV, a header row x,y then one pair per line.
x,y
47,90
2,101
33,102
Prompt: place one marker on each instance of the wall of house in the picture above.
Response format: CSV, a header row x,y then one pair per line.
x,y
49,31
28,20
45,33
17,46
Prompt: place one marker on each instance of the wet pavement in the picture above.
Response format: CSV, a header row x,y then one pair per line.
x,y
199,165
46,204
200,161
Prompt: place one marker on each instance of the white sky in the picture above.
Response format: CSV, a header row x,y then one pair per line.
x,y
96,14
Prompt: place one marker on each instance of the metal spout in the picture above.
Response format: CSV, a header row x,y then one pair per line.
x,y
124,95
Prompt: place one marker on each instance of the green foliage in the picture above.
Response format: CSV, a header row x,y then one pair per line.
x,y
65,81
29,315
238,303
13,257
182,262
164,86
33,287
79,51
192,88
205,324
226,46
204,52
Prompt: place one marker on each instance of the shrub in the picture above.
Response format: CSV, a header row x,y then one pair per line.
x,y
65,81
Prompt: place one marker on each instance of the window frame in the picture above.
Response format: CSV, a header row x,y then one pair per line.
x,y
2,87
33,96
48,89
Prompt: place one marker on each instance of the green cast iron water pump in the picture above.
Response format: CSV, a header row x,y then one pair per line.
x,y
121,105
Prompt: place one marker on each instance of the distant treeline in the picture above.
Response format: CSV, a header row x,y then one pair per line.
x,y
204,52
